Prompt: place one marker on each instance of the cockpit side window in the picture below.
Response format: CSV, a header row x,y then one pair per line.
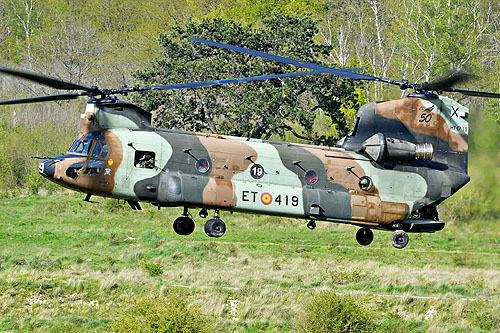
x,y
98,154
104,150
97,150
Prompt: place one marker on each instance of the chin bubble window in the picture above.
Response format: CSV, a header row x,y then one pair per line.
x,y
144,159
94,167
75,170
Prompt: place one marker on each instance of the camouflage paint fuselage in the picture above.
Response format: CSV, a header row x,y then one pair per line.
x,y
277,178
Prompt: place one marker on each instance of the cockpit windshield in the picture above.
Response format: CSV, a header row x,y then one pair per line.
x,y
82,145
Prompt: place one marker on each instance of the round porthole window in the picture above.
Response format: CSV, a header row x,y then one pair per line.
x,y
202,165
365,183
311,177
257,171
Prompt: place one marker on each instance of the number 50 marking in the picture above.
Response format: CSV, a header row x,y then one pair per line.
x,y
425,117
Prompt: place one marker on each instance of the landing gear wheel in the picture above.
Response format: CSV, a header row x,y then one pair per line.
x,y
311,225
215,227
203,213
184,225
364,236
399,239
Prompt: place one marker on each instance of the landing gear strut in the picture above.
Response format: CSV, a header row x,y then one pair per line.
x,y
364,236
184,225
399,239
215,227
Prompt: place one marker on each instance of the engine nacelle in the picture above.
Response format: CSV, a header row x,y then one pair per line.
x,y
380,148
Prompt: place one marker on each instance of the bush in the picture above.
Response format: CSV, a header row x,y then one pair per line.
x,y
328,312
170,313
153,269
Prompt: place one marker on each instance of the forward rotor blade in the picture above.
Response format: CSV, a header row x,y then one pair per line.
x,y
48,81
474,93
41,99
220,82
448,81
298,63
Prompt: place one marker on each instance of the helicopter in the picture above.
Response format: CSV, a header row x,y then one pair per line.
x,y
402,159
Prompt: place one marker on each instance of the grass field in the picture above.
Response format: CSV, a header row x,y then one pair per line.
x,y
68,265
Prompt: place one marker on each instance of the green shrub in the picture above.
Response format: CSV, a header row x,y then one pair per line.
x,y
484,317
112,205
328,312
170,313
153,269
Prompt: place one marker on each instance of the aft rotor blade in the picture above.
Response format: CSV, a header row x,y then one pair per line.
x,y
448,81
42,79
220,82
474,93
47,98
298,63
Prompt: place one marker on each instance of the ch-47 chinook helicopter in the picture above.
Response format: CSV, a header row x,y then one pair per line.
x,y
403,158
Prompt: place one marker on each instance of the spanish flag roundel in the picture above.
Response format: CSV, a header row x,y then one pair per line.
x,y
266,198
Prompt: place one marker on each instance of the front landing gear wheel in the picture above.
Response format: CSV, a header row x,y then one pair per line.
x,y
215,227
399,239
364,236
184,225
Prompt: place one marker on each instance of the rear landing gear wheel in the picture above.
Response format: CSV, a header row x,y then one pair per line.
x,y
215,227
399,239
364,236
184,225
311,225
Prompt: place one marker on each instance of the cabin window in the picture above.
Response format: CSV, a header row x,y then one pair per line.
x,y
144,159
311,177
202,165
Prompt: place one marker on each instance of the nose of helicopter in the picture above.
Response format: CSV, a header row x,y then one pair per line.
x,y
47,168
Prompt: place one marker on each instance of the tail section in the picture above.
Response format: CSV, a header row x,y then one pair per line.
x,y
404,128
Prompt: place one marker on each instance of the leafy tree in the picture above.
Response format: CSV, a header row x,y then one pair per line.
x,y
256,109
